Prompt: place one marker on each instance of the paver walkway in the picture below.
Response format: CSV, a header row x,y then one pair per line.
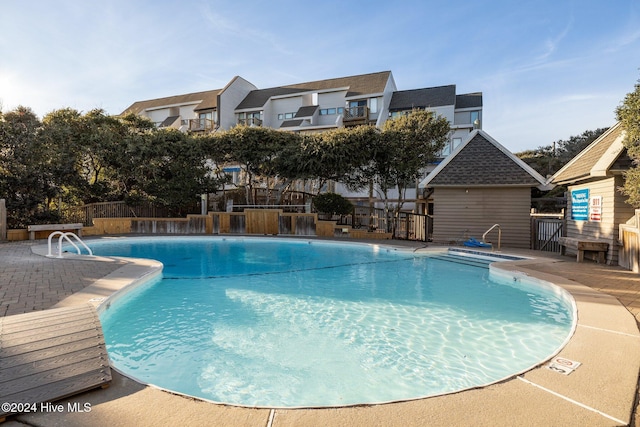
x,y
31,282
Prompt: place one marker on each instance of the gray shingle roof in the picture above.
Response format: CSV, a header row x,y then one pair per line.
x,y
291,123
483,162
207,100
423,98
469,100
169,121
306,111
358,85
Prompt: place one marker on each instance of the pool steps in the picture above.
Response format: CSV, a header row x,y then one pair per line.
x,y
462,259
492,255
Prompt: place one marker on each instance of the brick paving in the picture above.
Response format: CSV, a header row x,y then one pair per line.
x,y
30,282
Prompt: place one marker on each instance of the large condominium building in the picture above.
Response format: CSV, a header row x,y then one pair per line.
x,y
313,107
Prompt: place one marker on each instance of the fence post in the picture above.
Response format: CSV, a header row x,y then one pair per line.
x,y
3,220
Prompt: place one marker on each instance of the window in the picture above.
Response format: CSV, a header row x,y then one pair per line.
x,y
445,151
250,119
456,142
395,114
373,105
286,116
475,115
330,111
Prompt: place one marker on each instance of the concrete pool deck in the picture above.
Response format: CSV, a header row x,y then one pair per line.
x,y
600,392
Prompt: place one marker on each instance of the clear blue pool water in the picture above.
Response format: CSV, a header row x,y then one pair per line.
x,y
290,323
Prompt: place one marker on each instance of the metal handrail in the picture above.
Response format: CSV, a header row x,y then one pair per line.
x,y
489,230
65,235
359,112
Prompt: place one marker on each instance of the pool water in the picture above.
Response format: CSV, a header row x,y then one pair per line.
x,y
291,323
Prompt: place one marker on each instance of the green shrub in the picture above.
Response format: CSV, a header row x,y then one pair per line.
x,y
332,204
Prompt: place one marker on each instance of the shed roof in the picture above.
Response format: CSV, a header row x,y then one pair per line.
x,y
291,123
206,100
482,161
423,98
306,111
469,100
358,85
599,159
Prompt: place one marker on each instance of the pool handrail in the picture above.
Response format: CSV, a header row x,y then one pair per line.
x,y
489,230
65,235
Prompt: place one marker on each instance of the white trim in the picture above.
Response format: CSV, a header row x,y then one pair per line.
x,y
364,96
181,104
601,168
308,91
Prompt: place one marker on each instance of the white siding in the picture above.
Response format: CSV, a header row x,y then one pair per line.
x,y
460,213
281,106
228,100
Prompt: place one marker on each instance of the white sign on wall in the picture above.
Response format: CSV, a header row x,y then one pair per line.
x,y
595,208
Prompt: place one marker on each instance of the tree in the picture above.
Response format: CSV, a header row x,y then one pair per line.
x,y
628,113
26,179
332,204
548,159
335,155
258,151
406,146
174,172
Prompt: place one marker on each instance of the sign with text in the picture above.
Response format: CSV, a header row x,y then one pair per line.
x,y
580,205
595,208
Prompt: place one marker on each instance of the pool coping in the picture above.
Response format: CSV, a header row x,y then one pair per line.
x,y
601,391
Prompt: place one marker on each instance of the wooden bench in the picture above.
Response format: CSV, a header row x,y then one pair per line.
x,y
77,227
584,245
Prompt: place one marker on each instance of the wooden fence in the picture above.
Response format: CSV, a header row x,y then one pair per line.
x,y
629,237
86,213
546,229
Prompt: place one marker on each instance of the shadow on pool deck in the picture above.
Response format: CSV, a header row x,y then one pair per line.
x,y
601,392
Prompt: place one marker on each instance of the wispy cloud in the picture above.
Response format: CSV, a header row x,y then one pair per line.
x,y
245,37
551,43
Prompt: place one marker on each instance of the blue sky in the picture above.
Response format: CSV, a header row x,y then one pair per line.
x,y
547,69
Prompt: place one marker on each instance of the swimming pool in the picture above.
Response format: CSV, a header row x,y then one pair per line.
x,y
293,323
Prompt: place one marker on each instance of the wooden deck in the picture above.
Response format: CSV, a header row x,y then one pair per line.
x,y
52,354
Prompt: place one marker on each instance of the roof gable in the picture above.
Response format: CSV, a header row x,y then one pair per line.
x,y
482,161
358,85
597,159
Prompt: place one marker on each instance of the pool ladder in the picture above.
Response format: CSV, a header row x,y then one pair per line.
x,y
66,236
489,230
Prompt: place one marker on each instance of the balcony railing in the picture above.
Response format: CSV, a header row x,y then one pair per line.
x,y
201,125
355,115
251,121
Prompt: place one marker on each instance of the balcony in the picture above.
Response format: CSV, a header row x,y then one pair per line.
x,y
251,121
354,116
202,125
